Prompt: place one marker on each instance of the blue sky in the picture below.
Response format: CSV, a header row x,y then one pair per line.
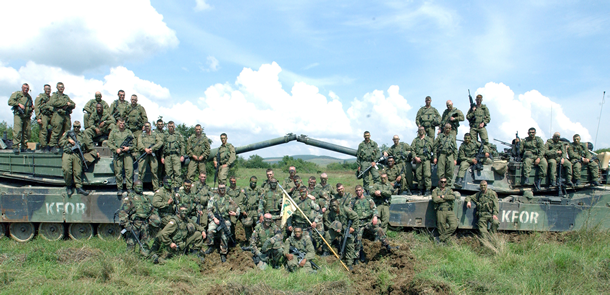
x,y
258,70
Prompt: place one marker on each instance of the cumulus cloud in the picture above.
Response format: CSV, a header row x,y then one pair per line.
x,y
201,5
83,36
212,65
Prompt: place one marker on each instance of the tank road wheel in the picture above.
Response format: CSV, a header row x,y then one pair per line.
x,y
2,231
51,231
80,231
109,231
21,231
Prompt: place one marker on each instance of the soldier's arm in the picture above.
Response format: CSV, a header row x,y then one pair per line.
x,y
496,207
435,197
587,152
418,117
111,144
231,155
487,118
254,240
462,154
377,151
470,114
37,106
88,107
189,145
541,148
64,139
450,195
141,146
386,192
460,116
143,115
353,216
165,234
311,251
286,247
158,202
182,145
158,143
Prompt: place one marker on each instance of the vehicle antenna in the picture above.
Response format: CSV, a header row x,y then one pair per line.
x,y
600,118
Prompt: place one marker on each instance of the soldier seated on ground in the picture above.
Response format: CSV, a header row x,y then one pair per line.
x,y
266,243
138,217
180,236
299,252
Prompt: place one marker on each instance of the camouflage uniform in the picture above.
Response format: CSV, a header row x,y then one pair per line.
x,y
202,197
161,169
480,115
249,206
289,185
336,224
487,206
89,109
455,113
366,210
138,213
44,112
145,141
422,148
135,117
160,202
577,152
393,173
383,202
118,108
311,210
428,117
445,151
221,206
402,155
446,221
61,116
368,153
344,200
124,160
184,234
327,190
173,149
266,243
95,119
237,195
198,146
202,189
227,156
468,151
553,159
532,149
271,202
71,163
303,245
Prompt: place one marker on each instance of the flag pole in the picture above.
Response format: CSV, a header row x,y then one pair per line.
x,y
329,247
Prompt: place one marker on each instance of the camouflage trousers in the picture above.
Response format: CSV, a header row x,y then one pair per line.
x,y
445,166
192,242
195,168
124,161
464,165
486,220
529,162
476,133
104,131
149,161
365,177
213,231
72,167
446,223
223,173
567,168
293,265
173,168
592,166
43,135
373,229
350,246
430,132
142,232
423,174
61,124
383,209
21,124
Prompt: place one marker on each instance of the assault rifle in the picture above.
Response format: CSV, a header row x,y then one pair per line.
x,y
346,235
144,155
77,148
134,236
480,156
472,105
369,168
301,255
517,148
126,143
222,224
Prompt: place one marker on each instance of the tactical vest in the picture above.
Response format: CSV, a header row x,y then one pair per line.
x,y
367,151
181,233
363,208
447,144
148,140
225,153
485,203
428,117
273,202
479,116
250,201
198,144
141,206
171,144
225,204
305,205
423,148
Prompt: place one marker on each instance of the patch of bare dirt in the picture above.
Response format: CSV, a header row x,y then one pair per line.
x,y
237,261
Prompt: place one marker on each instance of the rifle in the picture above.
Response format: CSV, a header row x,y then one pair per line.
x,y
301,255
479,156
144,154
369,168
135,236
222,224
217,166
402,171
125,143
504,142
472,105
517,152
345,236
77,147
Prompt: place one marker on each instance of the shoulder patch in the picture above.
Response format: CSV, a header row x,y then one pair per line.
x,y
126,199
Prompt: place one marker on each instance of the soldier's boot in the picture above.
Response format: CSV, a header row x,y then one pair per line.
x,y
553,182
69,191
119,194
362,256
568,182
527,181
155,246
458,181
427,192
595,183
223,258
81,191
537,183
406,192
155,258
577,182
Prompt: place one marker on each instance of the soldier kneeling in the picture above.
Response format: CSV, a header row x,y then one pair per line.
x,y
266,243
181,236
299,252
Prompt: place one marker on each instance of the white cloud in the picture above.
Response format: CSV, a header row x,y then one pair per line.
x,y
80,35
201,5
212,65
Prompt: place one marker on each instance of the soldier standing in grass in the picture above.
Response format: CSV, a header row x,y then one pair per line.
x,y
446,221
487,208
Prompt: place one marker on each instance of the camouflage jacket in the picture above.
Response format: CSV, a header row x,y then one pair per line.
x,y
270,202
118,108
222,206
160,202
202,190
552,147
443,203
386,190
117,137
367,153
135,117
19,97
395,171
533,148
90,106
445,144
146,140
198,146
227,154
187,199
176,231
468,151
455,113
42,107
133,207
344,215
579,151
428,117
262,234
173,144
302,244
327,190
422,148
60,104
251,200
480,115
365,208
309,207
344,200
487,203
83,139
96,119
288,185
236,193
401,152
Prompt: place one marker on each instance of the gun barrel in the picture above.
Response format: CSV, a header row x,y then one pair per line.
x,y
325,145
258,145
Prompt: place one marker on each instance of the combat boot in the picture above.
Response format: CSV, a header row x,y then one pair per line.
x,y
362,256
210,250
406,192
427,192
527,181
81,191
458,181
595,183
69,191
553,183
568,182
223,258
537,184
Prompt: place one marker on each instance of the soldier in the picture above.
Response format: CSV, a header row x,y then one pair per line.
x,y
22,104
467,156
368,215
149,144
322,199
201,188
221,205
119,107
446,221
237,195
325,187
266,242
580,155
313,189
445,154
556,150
270,176
160,132
186,196
71,162
137,216
179,235
297,184
224,158
428,117
367,155
173,153
533,151
271,202
308,205
396,176
422,154
401,151
478,117
337,219
487,208
344,198
453,117
164,201
249,207
289,182
100,123
135,117
62,108
91,107
303,245
123,159
202,197
198,148
382,196
44,112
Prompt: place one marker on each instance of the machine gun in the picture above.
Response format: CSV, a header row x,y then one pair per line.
x,y
479,156
346,235
144,155
514,149
126,143
301,255
222,224
359,176
77,148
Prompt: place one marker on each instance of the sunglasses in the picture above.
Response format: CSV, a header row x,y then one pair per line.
x,y
443,181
